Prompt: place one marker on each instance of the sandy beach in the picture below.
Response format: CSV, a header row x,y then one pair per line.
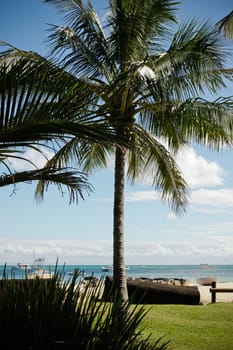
x,y
205,295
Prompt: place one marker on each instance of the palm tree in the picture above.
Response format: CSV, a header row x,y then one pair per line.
x,y
145,83
226,25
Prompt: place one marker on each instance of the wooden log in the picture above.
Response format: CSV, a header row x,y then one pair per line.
x,y
221,290
147,292
206,281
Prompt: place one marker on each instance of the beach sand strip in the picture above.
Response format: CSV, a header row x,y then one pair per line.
x,y
205,294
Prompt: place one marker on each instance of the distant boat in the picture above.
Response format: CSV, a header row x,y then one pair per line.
x,y
22,266
40,273
206,266
38,270
110,268
38,261
106,268
70,273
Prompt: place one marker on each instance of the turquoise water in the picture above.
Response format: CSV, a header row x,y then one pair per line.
x,y
224,273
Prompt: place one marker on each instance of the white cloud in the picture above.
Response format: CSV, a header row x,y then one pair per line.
x,y
197,170
92,252
142,196
186,251
172,216
37,158
13,250
212,200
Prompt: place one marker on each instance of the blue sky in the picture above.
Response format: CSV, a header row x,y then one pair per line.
x,y
82,234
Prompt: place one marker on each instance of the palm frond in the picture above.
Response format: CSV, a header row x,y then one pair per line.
x,y
193,63
75,182
151,158
88,156
226,25
94,156
136,25
41,101
82,43
209,123
34,81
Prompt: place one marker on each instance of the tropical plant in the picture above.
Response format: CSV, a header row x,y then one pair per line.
x,y
145,82
63,314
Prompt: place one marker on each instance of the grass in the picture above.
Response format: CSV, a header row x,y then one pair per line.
x,y
208,327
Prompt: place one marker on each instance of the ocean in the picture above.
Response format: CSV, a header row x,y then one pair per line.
x,y
223,273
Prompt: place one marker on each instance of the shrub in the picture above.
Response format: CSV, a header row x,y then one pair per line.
x,y
56,314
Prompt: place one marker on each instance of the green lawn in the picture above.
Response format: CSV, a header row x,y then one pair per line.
x,y
204,327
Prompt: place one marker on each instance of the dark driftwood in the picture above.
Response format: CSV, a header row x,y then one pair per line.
x,y
147,292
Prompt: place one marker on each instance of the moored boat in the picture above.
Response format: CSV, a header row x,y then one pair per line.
x,y
110,268
106,268
206,266
39,271
22,266
206,281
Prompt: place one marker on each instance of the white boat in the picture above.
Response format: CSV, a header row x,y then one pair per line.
x,y
22,266
38,270
206,266
106,268
70,273
110,268
38,261
40,273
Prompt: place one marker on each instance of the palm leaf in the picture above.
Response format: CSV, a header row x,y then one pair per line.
x,y
89,156
83,39
74,181
45,97
135,27
151,158
193,62
226,25
208,123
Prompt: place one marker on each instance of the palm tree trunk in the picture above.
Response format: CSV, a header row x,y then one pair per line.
x,y
119,273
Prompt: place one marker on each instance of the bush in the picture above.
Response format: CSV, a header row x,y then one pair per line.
x,y
57,314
